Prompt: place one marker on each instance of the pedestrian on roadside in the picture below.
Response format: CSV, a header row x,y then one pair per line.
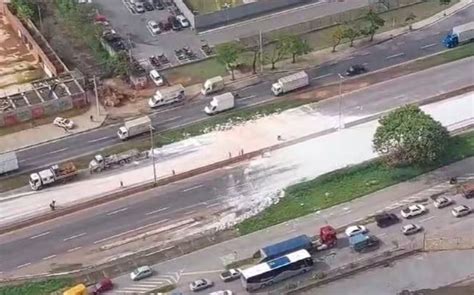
x,y
65,129
52,205
121,183
230,155
174,172
92,118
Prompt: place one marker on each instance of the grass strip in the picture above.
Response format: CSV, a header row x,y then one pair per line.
x,y
347,184
36,288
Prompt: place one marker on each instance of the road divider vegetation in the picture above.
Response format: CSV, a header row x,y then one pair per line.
x,y
37,288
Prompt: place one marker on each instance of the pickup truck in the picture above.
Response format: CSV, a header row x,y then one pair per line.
x,y
230,275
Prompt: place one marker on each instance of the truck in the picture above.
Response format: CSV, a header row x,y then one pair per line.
x,y
167,96
220,103
363,242
54,174
100,162
134,127
290,83
79,289
459,34
230,275
212,85
8,162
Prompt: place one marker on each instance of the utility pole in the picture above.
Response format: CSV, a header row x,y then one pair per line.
x,y
40,18
96,99
153,154
261,50
341,119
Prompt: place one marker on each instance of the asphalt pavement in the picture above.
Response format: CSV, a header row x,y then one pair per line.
x,y
403,48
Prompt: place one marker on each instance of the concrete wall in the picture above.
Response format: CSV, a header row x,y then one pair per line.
x,y
186,11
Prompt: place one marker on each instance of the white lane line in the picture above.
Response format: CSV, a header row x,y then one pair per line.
x,y
201,272
40,235
381,235
129,231
117,211
364,54
74,237
212,205
322,76
428,45
99,139
192,188
49,257
73,249
56,151
427,218
395,55
247,97
23,265
190,212
157,211
365,63
170,119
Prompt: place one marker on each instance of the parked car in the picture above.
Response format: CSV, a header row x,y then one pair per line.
x,y
355,229
175,26
158,4
200,284
103,286
153,27
386,219
141,273
441,202
460,211
410,229
222,292
413,210
182,21
156,78
356,70
230,275
148,6
139,7
63,123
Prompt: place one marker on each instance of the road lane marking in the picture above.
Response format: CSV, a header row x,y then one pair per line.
x,y
395,55
247,97
49,257
117,211
170,119
73,249
428,45
129,231
190,212
192,188
74,237
426,219
381,235
212,205
40,235
365,54
56,151
322,76
201,272
23,265
157,211
365,63
161,250
99,139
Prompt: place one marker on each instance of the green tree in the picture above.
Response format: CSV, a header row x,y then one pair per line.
x,y
409,136
227,54
351,33
279,50
25,9
66,7
297,46
374,22
444,2
337,37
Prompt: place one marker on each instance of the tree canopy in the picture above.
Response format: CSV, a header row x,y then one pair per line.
x,y
227,54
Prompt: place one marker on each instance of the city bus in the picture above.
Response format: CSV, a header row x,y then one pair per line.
x,y
278,269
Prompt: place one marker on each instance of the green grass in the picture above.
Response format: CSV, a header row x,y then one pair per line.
x,y
195,73
36,288
348,184
208,6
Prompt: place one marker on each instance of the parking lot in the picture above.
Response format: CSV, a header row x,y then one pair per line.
x,y
132,26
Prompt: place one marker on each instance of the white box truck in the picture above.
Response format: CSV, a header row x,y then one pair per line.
x,y
167,96
459,34
290,83
212,85
220,103
8,162
134,127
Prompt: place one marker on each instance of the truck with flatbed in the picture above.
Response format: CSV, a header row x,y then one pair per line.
x,y
290,83
134,127
8,162
459,34
54,174
100,162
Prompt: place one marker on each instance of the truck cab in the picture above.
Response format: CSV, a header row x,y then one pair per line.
x,y
212,85
97,163
39,179
277,89
122,133
451,40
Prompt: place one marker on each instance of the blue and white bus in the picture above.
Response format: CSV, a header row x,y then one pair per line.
x,y
278,269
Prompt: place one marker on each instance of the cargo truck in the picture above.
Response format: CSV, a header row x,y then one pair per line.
x,y
212,85
363,242
220,103
100,162
134,127
290,83
167,96
8,162
54,174
459,34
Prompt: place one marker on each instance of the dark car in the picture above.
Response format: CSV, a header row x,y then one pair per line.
x,y
148,6
386,219
356,70
103,286
175,25
158,4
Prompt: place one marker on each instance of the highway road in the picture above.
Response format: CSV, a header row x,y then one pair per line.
x,y
406,47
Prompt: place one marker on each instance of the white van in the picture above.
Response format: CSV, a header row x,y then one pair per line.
x,y
167,96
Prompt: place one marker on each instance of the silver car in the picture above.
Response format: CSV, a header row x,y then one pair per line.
x,y
200,284
460,211
411,228
141,273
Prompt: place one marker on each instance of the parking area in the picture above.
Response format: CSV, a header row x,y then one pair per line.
x,y
169,44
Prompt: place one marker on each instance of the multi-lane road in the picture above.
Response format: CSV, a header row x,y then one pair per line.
x,y
403,48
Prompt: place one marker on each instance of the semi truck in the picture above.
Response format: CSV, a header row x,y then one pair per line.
x,y
290,83
212,85
459,34
8,162
167,96
54,174
220,103
100,162
134,127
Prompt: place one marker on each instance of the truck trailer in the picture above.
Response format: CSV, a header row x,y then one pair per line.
x,y
8,162
167,96
290,83
52,175
459,34
220,103
212,85
100,162
134,127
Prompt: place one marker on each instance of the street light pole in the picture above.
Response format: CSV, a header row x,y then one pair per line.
x,y
341,119
153,154
96,99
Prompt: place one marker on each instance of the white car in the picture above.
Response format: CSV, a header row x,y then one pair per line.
x,y
355,229
200,284
63,123
156,78
153,27
222,292
441,202
182,21
141,273
413,210
460,211
410,229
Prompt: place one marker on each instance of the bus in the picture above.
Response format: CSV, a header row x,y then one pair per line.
x,y
278,269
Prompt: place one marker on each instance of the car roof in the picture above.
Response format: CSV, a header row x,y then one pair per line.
x,y
143,268
152,22
461,207
155,73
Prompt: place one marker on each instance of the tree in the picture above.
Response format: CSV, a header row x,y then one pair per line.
x,y
227,54
444,2
278,50
337,37
374,23
297,46
351,33
409,136
25,9
409,19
